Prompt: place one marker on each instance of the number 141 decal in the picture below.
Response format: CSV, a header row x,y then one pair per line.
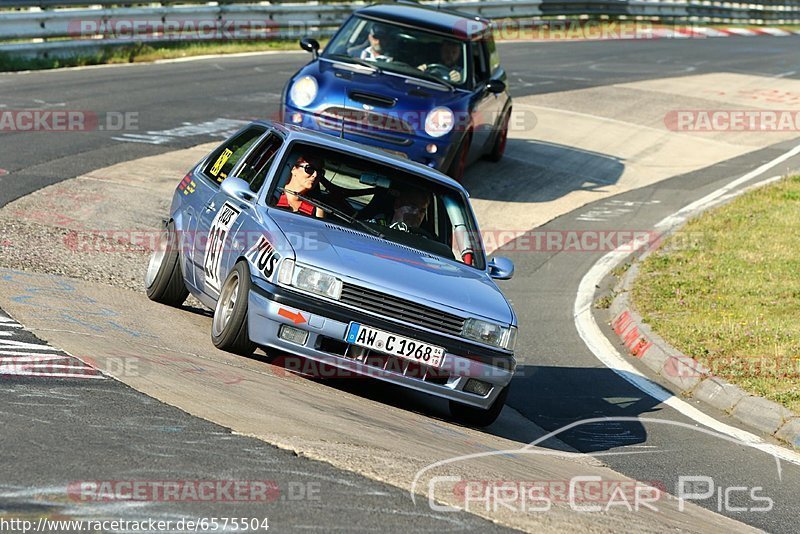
x,y
217,235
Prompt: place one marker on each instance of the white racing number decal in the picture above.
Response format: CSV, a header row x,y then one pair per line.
x,y
263,256
220,227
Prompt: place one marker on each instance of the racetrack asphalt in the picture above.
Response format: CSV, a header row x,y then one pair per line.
x,y
559,382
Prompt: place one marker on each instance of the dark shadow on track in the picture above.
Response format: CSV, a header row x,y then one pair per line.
x,y
554,397
535,171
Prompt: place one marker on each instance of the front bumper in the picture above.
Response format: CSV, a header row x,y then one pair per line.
x,y
271,306
410,146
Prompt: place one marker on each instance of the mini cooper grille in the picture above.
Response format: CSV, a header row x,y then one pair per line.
x,y
369,120
400,309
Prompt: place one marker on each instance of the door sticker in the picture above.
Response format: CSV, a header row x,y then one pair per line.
x,y
215,246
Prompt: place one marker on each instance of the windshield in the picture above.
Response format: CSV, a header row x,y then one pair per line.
x,y
377,199
391,47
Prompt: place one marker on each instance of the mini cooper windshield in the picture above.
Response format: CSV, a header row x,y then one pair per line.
x,y
399,49
379,200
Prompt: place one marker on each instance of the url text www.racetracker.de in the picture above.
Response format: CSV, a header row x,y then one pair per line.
x,y
200,524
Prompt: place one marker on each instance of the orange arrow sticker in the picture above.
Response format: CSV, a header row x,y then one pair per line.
x,y
296,318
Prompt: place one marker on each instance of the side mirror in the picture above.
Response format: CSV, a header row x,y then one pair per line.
x,y
310,44
237,188
500,268
496,86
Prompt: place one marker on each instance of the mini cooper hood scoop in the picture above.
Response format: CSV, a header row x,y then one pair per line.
x,y
392,268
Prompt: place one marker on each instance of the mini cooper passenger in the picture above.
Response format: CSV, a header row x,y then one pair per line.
x,y
323,248
409,79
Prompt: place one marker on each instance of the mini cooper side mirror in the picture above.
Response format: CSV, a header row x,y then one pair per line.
x,y
310,44
495,86
500,268
237,188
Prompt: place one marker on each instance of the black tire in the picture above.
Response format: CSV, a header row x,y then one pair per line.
x,y
499,145
459,164
229,326
477,417
164,280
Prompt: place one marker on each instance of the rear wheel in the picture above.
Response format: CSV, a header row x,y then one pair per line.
x,y
499,146
229,326
164,280
478,417
459,164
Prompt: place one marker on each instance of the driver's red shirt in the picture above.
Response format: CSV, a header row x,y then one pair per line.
x,y
305,207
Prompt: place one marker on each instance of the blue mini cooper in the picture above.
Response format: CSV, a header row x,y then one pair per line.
x,y
343,255
417,81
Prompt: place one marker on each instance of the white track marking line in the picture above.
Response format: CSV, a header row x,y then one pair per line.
x,y
17,372
18,353
605,351
32,359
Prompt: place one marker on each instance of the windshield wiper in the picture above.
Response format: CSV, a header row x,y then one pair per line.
x,y
358,61
427,76
342,215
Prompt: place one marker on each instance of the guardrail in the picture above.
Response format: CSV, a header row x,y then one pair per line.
x,y
62,27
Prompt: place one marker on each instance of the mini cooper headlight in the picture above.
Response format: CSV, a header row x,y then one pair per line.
x,y
310,279
490,333
439,122
304,91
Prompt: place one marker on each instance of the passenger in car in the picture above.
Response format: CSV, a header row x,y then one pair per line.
x,y
378,38
303,180
410,208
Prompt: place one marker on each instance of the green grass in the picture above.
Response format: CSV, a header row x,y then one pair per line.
x,y
145,53
733,303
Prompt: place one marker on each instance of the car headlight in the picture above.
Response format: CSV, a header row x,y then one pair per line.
x,y
490,333
304,91
309,279
439,122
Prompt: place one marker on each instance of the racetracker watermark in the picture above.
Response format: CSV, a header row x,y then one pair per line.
x,y
736,120
62,120
236,491
439,121
764,367
189,29
537,241
570,30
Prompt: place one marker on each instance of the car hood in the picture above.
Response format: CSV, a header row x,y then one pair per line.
x,y
338,83
395,269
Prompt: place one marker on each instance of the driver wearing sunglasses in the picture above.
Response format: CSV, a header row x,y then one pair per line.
x,y
303,180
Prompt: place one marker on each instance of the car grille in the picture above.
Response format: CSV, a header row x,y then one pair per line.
x,y
386,362
400,309
369,121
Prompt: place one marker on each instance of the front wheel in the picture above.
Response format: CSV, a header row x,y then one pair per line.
x,y
229,326
459,164
478,417
164,280
499,146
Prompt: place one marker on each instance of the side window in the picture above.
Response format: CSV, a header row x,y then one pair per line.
x,y
494,56
222,162
254,169
479,61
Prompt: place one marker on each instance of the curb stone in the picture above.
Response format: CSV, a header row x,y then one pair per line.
x,y
689,377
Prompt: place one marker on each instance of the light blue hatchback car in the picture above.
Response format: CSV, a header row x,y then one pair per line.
x,y
343,255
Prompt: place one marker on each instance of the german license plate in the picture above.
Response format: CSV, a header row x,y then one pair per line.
x,y
388,343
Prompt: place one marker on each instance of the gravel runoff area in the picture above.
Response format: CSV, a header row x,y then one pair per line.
x,y
53,230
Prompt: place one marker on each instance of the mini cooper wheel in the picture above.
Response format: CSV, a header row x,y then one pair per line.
x,y
478,417
164,280
229,326
459,164
499,146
